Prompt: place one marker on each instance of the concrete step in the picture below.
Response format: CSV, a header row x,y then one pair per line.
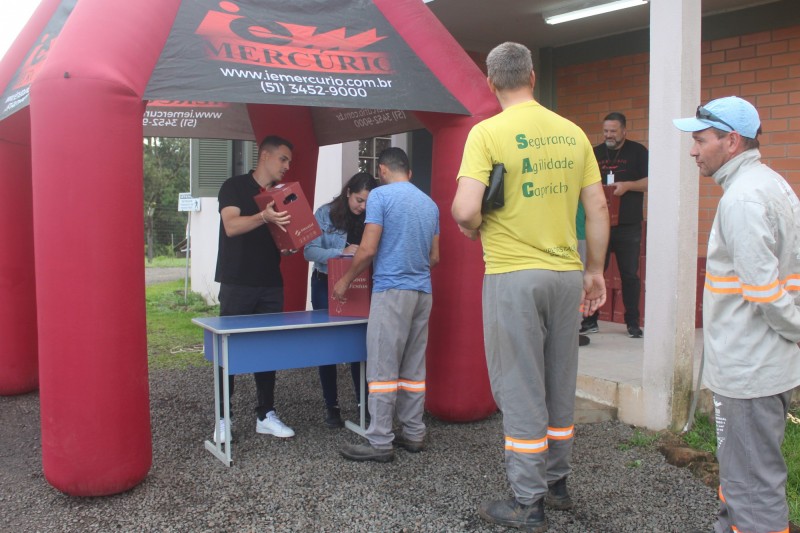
x,y
590,412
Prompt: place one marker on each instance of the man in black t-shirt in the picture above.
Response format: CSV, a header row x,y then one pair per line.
x,y
248,265
623,165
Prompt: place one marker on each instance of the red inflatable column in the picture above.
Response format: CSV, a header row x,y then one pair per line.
x,y
295,125
18,357
457,380
88,221
86,132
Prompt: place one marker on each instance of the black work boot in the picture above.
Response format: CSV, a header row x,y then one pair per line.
x,y
333,418
558,496
511,513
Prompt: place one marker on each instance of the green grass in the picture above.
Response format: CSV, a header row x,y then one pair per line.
x,y
703,437
165,261
640,439
791,453
172,340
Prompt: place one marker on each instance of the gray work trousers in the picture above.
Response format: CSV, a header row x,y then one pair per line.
x,y
530,326
397,335
752,472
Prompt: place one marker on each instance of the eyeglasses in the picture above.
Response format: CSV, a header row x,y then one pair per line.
x,y
704,114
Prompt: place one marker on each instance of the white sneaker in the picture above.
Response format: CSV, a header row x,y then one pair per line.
x,y
224,433
272,425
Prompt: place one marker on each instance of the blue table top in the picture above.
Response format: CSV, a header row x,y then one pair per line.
x,y
274,321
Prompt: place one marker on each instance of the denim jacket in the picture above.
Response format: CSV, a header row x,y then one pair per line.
x,y
331,243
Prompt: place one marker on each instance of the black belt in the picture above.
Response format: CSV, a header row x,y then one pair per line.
x,y
322,276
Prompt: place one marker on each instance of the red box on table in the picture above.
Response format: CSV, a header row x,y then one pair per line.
x,y
358,295
302,227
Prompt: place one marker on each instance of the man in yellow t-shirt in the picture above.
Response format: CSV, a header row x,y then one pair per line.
x,y
532,287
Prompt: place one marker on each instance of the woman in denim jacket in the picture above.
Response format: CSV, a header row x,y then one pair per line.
x,y
342,224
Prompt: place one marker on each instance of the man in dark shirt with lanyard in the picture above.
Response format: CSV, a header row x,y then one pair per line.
x,y
248,265
623,165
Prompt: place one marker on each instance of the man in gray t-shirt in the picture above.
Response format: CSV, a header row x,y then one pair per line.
x,y
402,238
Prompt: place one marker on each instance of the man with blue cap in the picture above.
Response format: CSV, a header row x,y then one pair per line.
x,y
751,317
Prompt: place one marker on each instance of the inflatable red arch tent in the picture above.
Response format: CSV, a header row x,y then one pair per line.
x,y
78,77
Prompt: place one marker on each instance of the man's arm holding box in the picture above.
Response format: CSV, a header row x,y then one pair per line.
x,y
236,224
363,258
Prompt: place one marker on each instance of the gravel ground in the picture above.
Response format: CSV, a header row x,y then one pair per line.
x,y
302,484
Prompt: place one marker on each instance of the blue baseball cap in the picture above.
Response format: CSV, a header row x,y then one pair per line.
x,y
727,114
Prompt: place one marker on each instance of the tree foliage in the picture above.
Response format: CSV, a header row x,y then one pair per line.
x,y
166,174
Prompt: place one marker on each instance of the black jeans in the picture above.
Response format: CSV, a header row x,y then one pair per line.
x,y
626,242
243,300
327,373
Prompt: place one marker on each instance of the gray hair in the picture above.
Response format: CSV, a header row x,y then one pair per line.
x,y
509,66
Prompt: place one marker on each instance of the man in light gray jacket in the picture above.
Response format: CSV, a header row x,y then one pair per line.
x,y
751,316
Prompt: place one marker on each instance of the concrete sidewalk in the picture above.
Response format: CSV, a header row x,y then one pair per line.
x,y
610,371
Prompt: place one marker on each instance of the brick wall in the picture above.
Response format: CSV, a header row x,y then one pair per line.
x,y
763,68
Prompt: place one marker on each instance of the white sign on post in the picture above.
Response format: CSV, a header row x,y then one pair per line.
x,y
187,203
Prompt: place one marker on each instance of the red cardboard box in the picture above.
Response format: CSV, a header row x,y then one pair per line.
x,y
619,308
607,309
303,226
701,270
644,237
698,304
613,204
359,293
612,275
642,268
641,306
701,282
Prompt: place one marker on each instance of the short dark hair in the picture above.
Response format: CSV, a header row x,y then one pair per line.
x,y
749,144
273,141
619,117
395,159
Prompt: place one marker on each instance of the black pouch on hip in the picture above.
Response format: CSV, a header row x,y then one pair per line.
x,y
494,197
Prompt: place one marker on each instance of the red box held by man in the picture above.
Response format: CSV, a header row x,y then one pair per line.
x,y
302,227
358,295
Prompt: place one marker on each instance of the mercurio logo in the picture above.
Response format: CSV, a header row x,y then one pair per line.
x,y
233,37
